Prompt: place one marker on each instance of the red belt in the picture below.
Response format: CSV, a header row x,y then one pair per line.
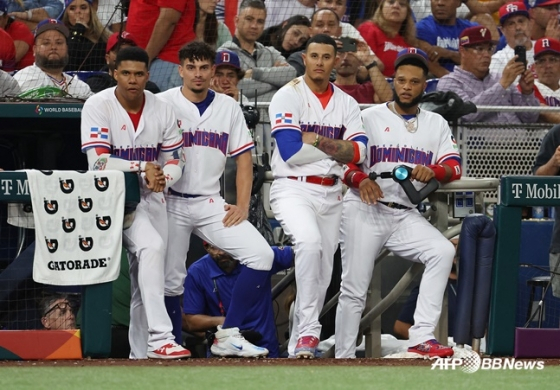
x,y
322,181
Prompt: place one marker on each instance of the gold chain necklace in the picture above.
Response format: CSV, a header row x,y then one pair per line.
x,y
411,125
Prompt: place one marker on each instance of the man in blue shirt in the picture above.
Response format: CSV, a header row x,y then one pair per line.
x,y
208,289
438,35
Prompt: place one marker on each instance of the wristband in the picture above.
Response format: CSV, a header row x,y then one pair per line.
x,y
439,171
29,14
316,143
357,178
374,63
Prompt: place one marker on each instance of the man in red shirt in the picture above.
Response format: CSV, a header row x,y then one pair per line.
x,y
7,52
377,90
21,35
162,27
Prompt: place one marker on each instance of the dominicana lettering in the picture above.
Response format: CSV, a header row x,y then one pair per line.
x,y
205,138
332,132
404,154
141,153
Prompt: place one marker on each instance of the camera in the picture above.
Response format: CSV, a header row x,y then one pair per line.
x,y
521,54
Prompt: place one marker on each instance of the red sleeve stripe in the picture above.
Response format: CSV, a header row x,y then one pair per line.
x,y
356,152
171,148
242,149
285,127
449,155
175,161
96,144
357,135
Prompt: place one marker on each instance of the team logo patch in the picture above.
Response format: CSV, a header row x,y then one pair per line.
x,y
103,223
99,133
85,204
100,164
68,224
285,117
85,243
52,245
51,206
66,185
101,183
454,142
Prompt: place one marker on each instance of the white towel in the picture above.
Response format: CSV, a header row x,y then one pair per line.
x,y
78,225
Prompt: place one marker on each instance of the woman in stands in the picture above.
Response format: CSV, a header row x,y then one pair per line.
x,y
289,36
391,30
21,35
207,28
88,37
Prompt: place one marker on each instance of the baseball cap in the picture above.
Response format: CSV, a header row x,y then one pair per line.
x,y
51,24
412,56
511,9
227,57
3,7
68,2
541,3
475,35
547,45
125,37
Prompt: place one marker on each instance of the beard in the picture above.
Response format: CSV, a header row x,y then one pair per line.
x,y
44,62
413,103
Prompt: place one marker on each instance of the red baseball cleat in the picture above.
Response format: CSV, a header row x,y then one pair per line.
x,y
432,348
306,347
170,351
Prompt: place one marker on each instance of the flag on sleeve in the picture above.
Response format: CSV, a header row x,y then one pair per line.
x,y
283,118
99,132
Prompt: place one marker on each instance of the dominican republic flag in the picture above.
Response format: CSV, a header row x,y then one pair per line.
x,y
99,133
285,117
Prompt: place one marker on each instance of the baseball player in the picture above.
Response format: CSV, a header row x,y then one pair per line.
x,y
214,127
378,213
317,128
129,129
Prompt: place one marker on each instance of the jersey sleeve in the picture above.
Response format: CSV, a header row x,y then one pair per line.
x,y
283,258
95,126
284,111
447,146
240,140
194,301
172,136
354,130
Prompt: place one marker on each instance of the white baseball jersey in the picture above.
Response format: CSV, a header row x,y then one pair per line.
x,y
208,140
106,124
32,77
390,144
296,107
550,97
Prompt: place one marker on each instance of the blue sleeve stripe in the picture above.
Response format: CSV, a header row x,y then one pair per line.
x,y
288,143
360,138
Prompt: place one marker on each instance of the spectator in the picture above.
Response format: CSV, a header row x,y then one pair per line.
x,y
32,12
8,86
472,81
227,75
20,34
208,29
265,68
58,313
377,90
88,37
390,30
438,35
288,37
111,15
547,68
162,28
515,22
7,52
280,10
323,21
474,8
99,82
544,14
45,78
209,287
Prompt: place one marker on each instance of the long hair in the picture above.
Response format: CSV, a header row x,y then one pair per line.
x,y
210,26
277,37
408,27
95,31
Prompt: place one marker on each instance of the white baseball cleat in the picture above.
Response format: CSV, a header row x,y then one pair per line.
x,y
229,342
170,351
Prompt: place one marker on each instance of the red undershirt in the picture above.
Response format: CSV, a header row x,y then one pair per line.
x,y
135,118
325,97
